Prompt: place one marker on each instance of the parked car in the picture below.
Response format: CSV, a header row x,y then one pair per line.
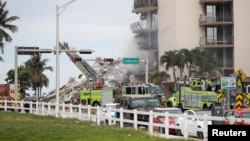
x,y
233,116
113,114
140,103
161,119
193,123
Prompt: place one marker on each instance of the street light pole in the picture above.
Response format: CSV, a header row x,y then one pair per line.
x,y
58,13
16,73
146,71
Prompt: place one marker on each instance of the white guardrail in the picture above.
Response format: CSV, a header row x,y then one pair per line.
x,y
101,115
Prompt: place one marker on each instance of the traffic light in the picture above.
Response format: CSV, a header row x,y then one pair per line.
x,y
27,50
76,59
85,51
31,50
108,60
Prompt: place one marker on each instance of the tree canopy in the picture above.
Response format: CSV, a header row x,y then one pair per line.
x,y
6,26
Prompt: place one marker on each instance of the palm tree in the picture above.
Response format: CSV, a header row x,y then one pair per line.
x,y
5,21
192,58
35,67
181,60
170,60
11,76
207,64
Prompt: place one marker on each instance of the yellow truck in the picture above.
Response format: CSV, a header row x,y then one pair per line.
x,y
187,98
96,97
7,92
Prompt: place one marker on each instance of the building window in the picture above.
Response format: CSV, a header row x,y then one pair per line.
x,y
229,57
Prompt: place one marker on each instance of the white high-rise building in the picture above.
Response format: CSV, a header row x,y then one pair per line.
x,y
219,25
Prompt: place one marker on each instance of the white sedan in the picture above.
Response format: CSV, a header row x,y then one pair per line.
x,y
193,123
107,115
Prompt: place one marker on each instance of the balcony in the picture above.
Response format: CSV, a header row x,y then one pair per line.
x,y
215,1
220,19
215,42
146,42
143,6
144,26
150,49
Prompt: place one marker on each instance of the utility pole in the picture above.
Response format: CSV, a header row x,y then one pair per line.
x,y
58,13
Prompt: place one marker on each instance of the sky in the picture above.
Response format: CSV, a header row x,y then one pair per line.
x,y
99,25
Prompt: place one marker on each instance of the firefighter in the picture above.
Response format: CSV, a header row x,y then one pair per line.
x,y
239,82
196,84
246,100
172,102
208,85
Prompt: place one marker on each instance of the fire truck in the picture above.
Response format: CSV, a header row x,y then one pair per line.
x,y
91,91
197,93
97,97
7,92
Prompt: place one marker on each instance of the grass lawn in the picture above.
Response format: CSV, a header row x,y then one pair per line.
x,y
16,126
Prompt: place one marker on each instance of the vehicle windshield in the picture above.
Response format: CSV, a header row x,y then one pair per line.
x,y
114,106
199,112
202,113
155,90
209,113
246,115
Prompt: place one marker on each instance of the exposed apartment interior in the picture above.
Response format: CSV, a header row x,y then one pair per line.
x,y
221,26
146,33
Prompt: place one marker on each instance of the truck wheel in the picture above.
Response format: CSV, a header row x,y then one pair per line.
x,y
205,107
96,103
27,106
178,132
200,135
162,130
181,107
169,104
